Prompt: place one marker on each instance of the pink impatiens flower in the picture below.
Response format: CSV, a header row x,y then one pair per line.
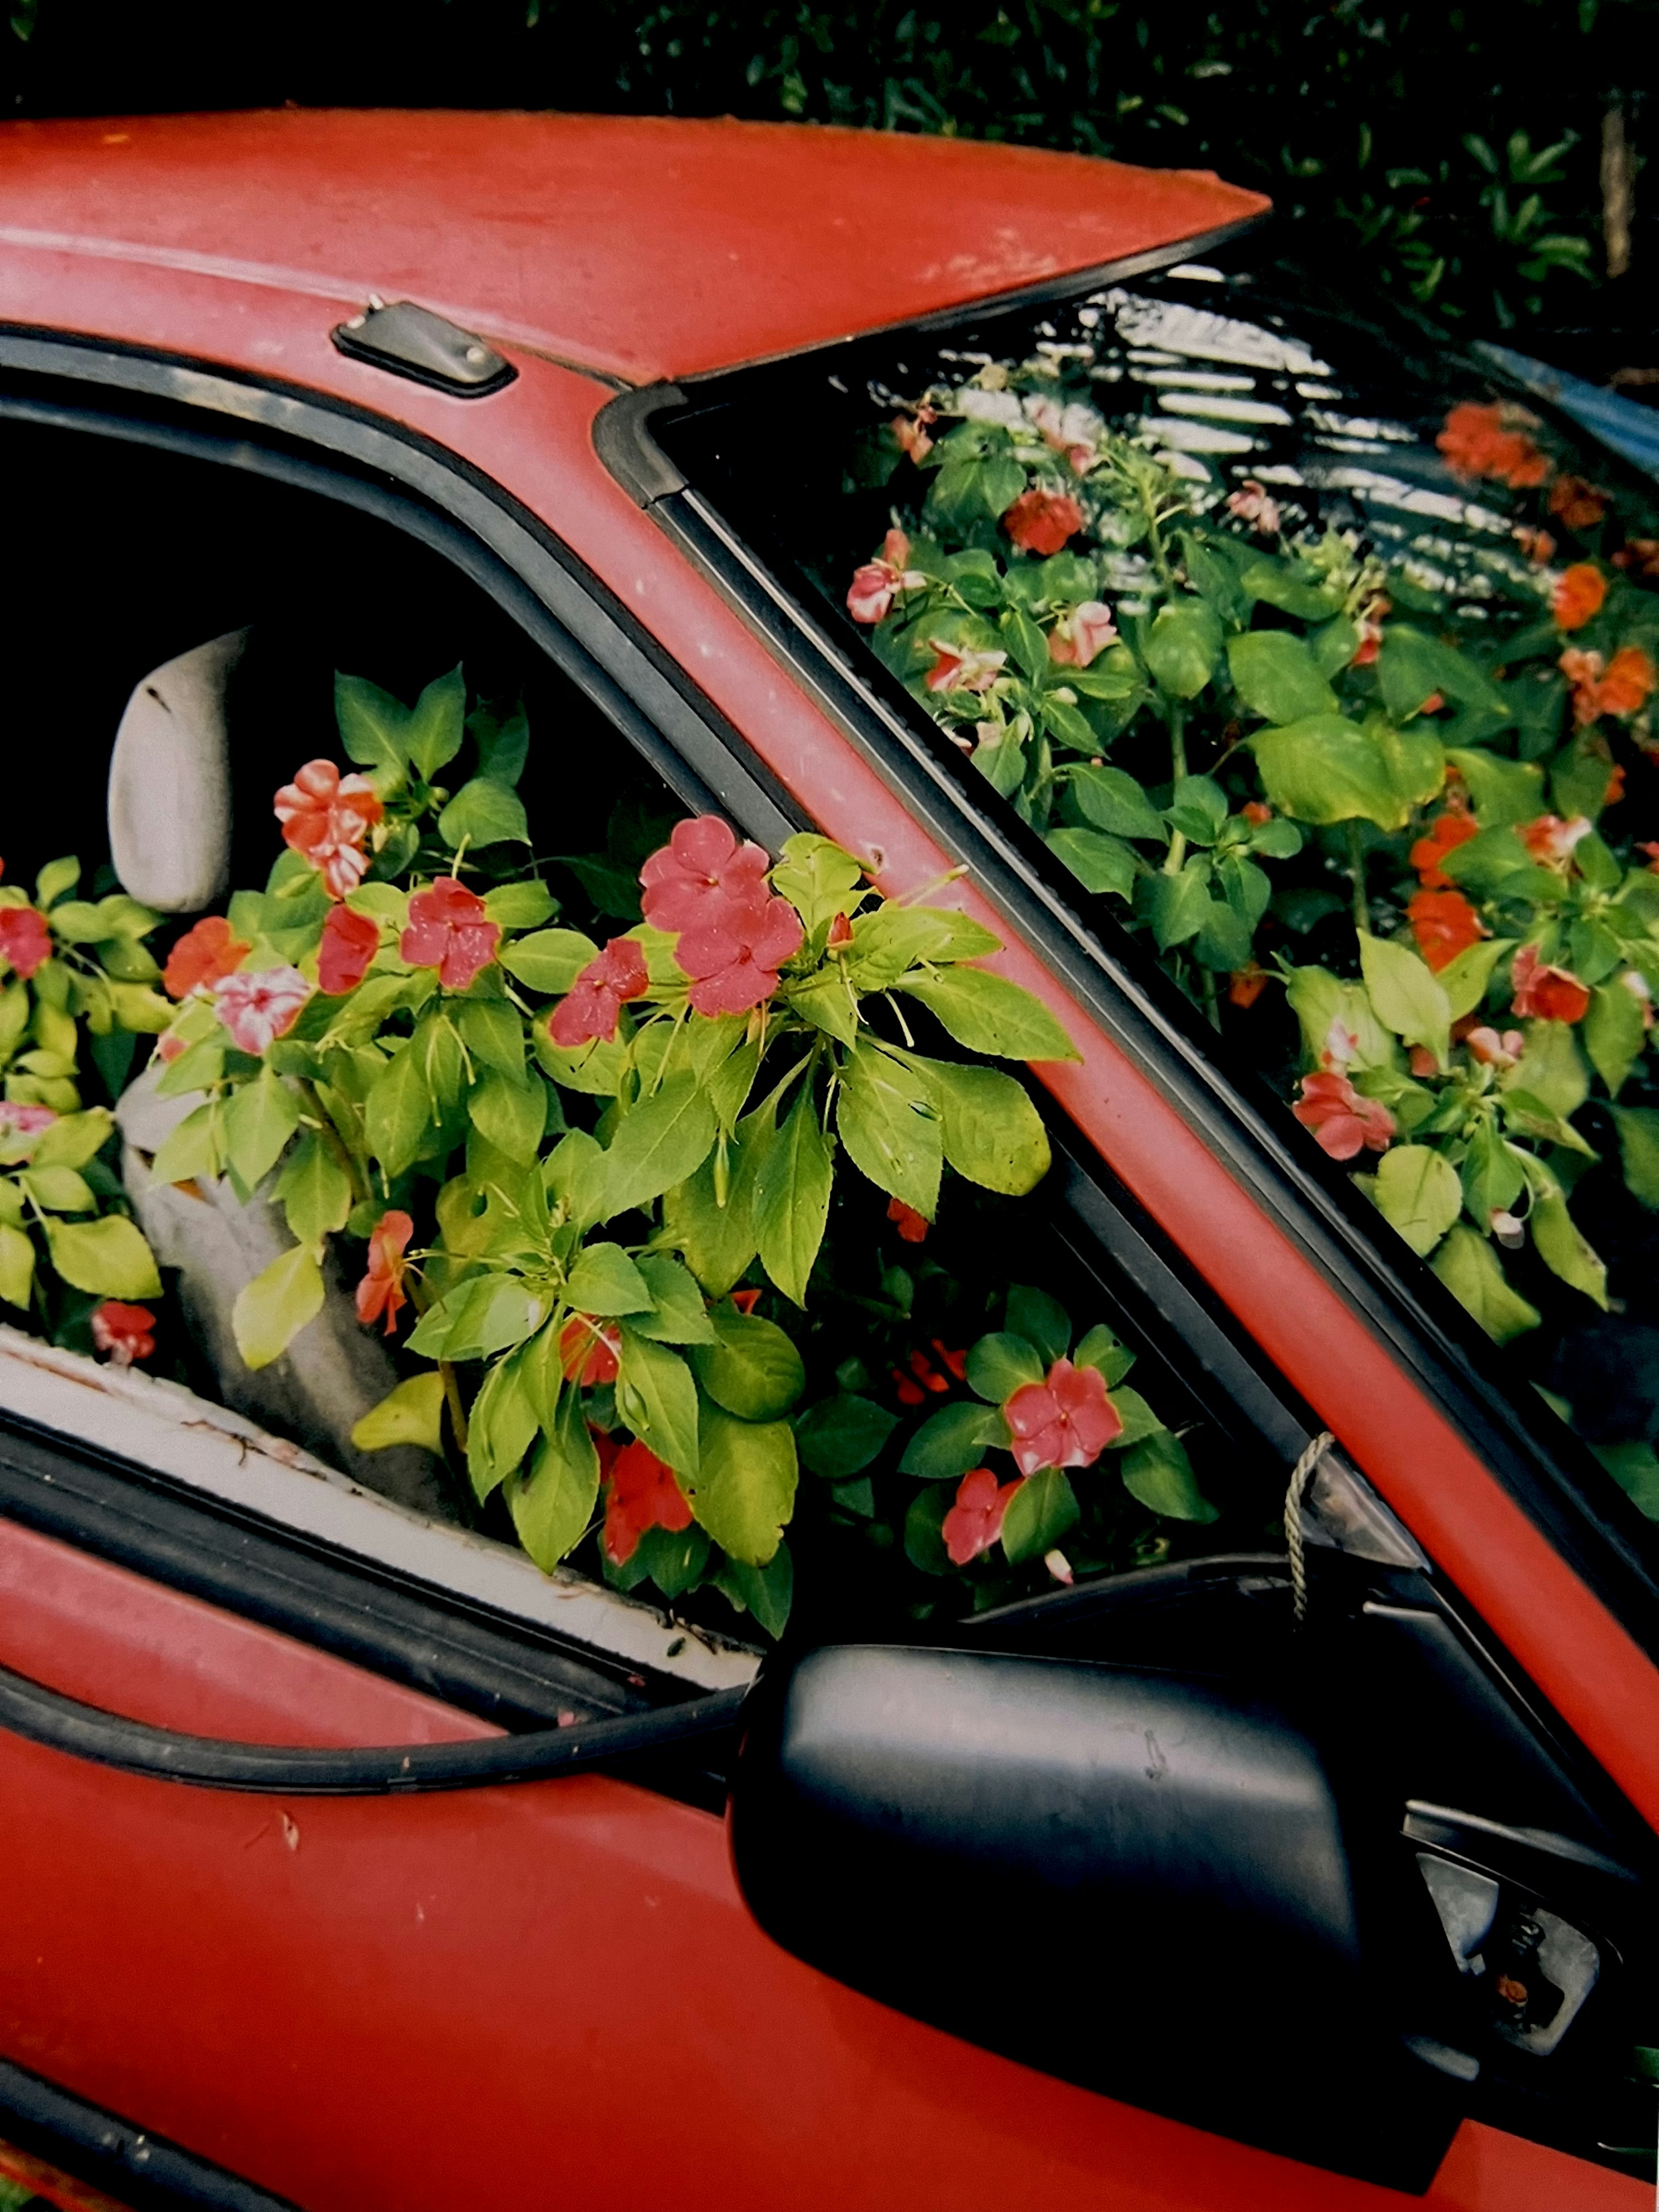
x,y
642,1493
326,816
1041,521
123,1332
1075,641
733,962
1065,1421
590,1013
974,1522
1252,504
17,1119
202,956
701,876
258,1008
1550,840
873,587
1343,1120
24,940
381,1291
1546,993
588,1349
964,667
349,943
450,930
1492,1050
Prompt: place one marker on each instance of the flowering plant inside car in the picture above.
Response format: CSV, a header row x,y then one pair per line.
x,y
587,1186
1406,785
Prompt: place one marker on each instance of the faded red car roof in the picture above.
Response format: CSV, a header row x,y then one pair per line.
x,y
644,247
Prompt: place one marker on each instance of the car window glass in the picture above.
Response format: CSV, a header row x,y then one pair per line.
x,y
1326,663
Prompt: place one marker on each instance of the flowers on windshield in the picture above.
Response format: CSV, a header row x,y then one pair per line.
x,y
1544,993
258,1008
1066,1420
202,956
327,817
381,1291
350,942
873,587
450,929
1579,596
1078,638
24,940
124,1333
642,1492
1344,1121
974,1522
589,1014
1043,521
1494,442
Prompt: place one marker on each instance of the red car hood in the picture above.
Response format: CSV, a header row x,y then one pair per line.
x,y
642,247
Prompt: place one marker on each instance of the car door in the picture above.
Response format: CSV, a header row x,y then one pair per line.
x,y
554,1985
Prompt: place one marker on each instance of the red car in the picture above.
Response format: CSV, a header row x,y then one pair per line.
x,y
1151,1892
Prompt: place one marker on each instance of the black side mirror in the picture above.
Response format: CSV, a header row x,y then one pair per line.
x,y
1138,1881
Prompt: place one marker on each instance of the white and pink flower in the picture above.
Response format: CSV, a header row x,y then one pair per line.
x,y
258,1008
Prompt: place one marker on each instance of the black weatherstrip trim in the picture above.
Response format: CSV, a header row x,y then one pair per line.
x,y
144,2170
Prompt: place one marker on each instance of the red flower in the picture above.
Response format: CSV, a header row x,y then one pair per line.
x,y
912,1226
1615,790
702,876
1247,984
1550,840
910,431
587,1351
1066,1421
1492,441
1629,682
1546,993
1041,521
1578,596
449,930
1537,545
1444,835
1579,504
17,1119
1492,1050
349,943
24,940
642,1493
964,667
871,592
1445,924
906,1392
591,1012
745,1300
974,1522
1083,635
202,956
840,938
258,1008
733,963
1252,505
326,816
123,1331
957,1361
1256,811
381,1291
1638,556
1342,1119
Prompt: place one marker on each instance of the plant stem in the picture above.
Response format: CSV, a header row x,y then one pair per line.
x,y
1362,912
1177,852
1206,984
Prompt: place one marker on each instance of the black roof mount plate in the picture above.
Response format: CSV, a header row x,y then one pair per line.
x,y
408,340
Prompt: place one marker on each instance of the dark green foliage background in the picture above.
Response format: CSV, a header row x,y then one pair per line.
x,y
1450,152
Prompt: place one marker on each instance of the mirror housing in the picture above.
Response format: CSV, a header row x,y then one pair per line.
x,y
1138,1881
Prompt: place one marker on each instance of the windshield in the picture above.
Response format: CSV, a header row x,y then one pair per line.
x,y
1327,662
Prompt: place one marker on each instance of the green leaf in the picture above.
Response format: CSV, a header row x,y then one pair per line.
x,y
1504,792
437,724
109,1257
1276,674
1159,1474
792,1199
503,747
1224,942
552,1505
840,1436
1638,1151
718,1241
924,1538
765,1593
501,1425
1294,586
951,1441
524,905
315,1192
1635,1469
677,1314
16,1266
73,1140
492,1031
1464,980
1001,1364
259,1119
1038,1515
1139,1421
1198,808
53,880
510,1114
817,877
1492,1175
1183,647
1100,863
483,812
58,1190
1109,799
988,1013
1040,1319
374,729
484,1314
744,1491
993,1133
605,1280
1564,1249
659,1143
1325,769
574,1176
1175,907
398,1114
1101,1349
1407,994
752,1368
1417,1193
827,1001
886,1118
1472,1272
192,1151
550,960
270,1312
410,1414
1613,1034
657,1397
675,1560
1550,1069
